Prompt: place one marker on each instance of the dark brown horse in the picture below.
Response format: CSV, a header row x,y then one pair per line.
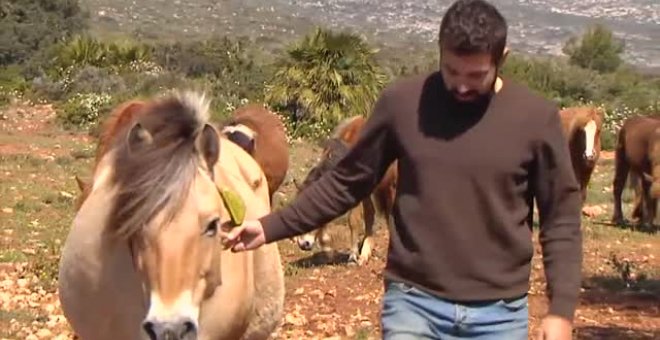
x,y
261,133
382,198
582,127
637,155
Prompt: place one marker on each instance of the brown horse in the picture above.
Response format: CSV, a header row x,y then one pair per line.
x,y
261,133
254,128
118,119
382,198
143,258
582,127
637,156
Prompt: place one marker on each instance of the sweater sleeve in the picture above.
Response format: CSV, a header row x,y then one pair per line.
x,y
559,202
344,186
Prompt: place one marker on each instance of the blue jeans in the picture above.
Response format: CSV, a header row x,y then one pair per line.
x,y
410,313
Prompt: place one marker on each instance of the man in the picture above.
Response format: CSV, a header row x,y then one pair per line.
x,y
474,152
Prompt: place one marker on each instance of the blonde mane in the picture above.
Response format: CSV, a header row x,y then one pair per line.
x,y
156,175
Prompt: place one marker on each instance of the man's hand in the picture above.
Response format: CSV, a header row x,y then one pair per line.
x,y
555,328
247,236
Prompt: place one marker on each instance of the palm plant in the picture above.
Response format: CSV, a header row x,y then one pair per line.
x,y
325,77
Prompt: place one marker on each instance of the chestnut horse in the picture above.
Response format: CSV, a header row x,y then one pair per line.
x,y
582,128
382,198
254,128
637,157
143,258
261,133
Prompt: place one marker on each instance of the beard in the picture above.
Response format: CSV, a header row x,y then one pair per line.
x,y
470,101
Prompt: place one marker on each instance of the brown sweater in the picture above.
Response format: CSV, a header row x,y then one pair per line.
x,y
467,180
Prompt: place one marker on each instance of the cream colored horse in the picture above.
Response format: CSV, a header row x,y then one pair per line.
x,y
143,258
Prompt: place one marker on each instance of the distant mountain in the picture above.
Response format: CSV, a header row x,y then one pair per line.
x,y
536,26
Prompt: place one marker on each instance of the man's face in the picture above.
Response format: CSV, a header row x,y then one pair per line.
x,y
468,77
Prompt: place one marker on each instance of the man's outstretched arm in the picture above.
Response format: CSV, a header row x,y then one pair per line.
x,y
559,202
344,186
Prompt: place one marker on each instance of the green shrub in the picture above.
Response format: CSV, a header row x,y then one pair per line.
x,y
324,78
28,26
597,50
84,50
82,110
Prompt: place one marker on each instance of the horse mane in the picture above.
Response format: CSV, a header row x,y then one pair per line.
x,y
157,175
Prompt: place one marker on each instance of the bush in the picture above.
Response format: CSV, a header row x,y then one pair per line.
x,y
83,110
230,64
324,78
596,50
28,26
12,84
84,50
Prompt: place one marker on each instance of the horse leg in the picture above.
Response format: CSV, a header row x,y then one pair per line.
x,y
353,222
637,202
324,239
369,216
621,169
652,210
648,206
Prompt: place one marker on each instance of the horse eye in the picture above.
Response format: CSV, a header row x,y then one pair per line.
x,y
212,228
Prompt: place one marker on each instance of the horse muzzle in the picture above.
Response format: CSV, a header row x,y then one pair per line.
x,y
305,245
589,158
181,329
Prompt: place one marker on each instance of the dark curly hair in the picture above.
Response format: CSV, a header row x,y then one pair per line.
x,y
473,26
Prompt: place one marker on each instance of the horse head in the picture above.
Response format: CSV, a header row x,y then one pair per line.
x,y
333,150
585,129
161,171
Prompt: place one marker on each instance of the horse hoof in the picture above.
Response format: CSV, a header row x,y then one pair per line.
x,y
619,221
353,259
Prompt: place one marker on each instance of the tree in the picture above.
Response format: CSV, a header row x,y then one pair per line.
x,y
326,77
597,50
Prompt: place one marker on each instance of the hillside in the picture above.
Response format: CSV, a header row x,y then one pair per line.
x,y
537,27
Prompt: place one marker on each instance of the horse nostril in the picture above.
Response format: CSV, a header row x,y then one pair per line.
x,y
305,245
183,329
148,327
188,329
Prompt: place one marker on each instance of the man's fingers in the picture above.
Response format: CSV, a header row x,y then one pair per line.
x,y
231,234
238,247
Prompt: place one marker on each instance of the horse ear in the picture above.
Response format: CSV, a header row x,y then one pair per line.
x,y
81,183
208,144
296,184
138,136
648,177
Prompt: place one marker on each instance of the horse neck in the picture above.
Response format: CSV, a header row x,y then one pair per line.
x,y
237,170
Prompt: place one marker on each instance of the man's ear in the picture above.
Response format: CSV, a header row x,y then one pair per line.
x,y
505,54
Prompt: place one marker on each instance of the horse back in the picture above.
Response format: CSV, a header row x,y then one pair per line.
x,y
637,137
270,147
